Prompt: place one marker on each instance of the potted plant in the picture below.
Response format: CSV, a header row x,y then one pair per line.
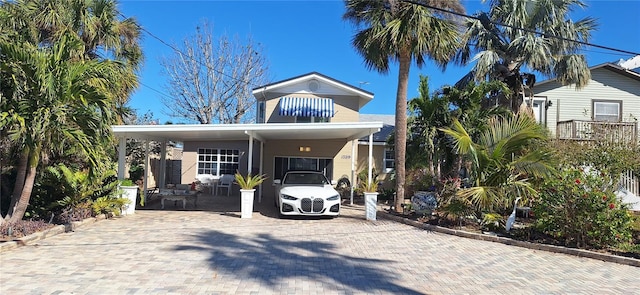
x,y
129,191
370,191
247,186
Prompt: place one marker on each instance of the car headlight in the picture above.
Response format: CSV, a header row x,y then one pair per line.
x,y
288,197
334,198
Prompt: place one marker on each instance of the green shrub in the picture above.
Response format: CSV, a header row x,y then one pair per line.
x,y
109,205
387,194
127,182
76,212
63,192
492,222
136,173
579,208
249,181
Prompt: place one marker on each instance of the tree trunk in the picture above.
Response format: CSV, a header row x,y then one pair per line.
x,y
23,188
23,202
401,127
21,175
516,101
430,164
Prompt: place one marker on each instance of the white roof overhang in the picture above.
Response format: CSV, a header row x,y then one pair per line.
x,y
262,132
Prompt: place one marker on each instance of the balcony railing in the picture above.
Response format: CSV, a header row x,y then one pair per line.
x,y
619,132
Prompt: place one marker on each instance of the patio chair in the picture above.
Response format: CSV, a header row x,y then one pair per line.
x,y
226,181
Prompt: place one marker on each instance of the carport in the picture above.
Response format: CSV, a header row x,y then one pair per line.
x,y
260,133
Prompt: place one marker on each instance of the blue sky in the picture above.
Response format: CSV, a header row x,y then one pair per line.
x,y
306,36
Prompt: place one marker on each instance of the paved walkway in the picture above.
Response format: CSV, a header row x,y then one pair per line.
x,y
204,252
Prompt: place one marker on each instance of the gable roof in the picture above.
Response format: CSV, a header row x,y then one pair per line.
x,y
363,95
609,66
312,75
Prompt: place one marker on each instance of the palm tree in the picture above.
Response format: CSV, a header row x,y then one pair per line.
x,y
57,101
505,158
402,32
102,55
428,113
503,51
427,145
473,107
97,25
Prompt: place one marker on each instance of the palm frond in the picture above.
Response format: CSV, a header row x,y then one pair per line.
x,y
482,197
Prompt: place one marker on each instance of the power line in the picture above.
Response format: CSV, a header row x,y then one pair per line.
x,y
156,91
519,28
185,55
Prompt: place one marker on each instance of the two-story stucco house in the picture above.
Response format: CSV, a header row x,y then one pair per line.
x,y
309,122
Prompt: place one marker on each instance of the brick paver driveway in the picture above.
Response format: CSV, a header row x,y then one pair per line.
x,y
197,252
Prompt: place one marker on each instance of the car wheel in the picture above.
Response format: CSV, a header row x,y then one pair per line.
x,y
343,183
275,205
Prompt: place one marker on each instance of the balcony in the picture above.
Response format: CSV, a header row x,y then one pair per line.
x,y
618,132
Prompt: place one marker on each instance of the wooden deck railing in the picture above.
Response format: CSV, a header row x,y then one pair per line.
x,y
620,132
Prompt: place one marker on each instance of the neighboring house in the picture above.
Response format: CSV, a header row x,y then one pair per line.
x,y
608,108
310,121
609,104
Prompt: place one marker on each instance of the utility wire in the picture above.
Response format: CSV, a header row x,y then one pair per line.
x,y
156,90
521,29
406,1
185,55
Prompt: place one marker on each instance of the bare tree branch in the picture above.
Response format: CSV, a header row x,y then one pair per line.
x,y
210,80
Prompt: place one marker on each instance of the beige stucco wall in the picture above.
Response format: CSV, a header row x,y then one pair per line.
x,y
345,107
190,156
378,162
338,150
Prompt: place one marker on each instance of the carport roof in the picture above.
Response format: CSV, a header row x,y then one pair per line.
x,y
262,132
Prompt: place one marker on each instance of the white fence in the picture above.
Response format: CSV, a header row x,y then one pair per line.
x,y
630,182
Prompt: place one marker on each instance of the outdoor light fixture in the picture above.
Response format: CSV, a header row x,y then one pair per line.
x,y
305,148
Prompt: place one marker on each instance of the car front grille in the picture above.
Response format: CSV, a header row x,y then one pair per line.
x,y
308,205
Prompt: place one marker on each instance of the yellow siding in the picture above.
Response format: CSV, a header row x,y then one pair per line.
x,y
572,104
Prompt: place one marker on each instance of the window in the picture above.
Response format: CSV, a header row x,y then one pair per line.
x,y
389,160
261,112
284,164
301,119
607,110
218,161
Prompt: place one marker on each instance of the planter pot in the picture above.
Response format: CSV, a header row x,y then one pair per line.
x,y
246,205
370,205
130,193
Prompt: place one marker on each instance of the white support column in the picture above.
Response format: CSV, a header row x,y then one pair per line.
x,y
353,168
250,162
146,171
163,165
370,158
260,170
122,155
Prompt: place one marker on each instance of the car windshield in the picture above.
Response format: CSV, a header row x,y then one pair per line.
x,y
305,178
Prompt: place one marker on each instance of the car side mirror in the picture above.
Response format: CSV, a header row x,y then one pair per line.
x,y
276,181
